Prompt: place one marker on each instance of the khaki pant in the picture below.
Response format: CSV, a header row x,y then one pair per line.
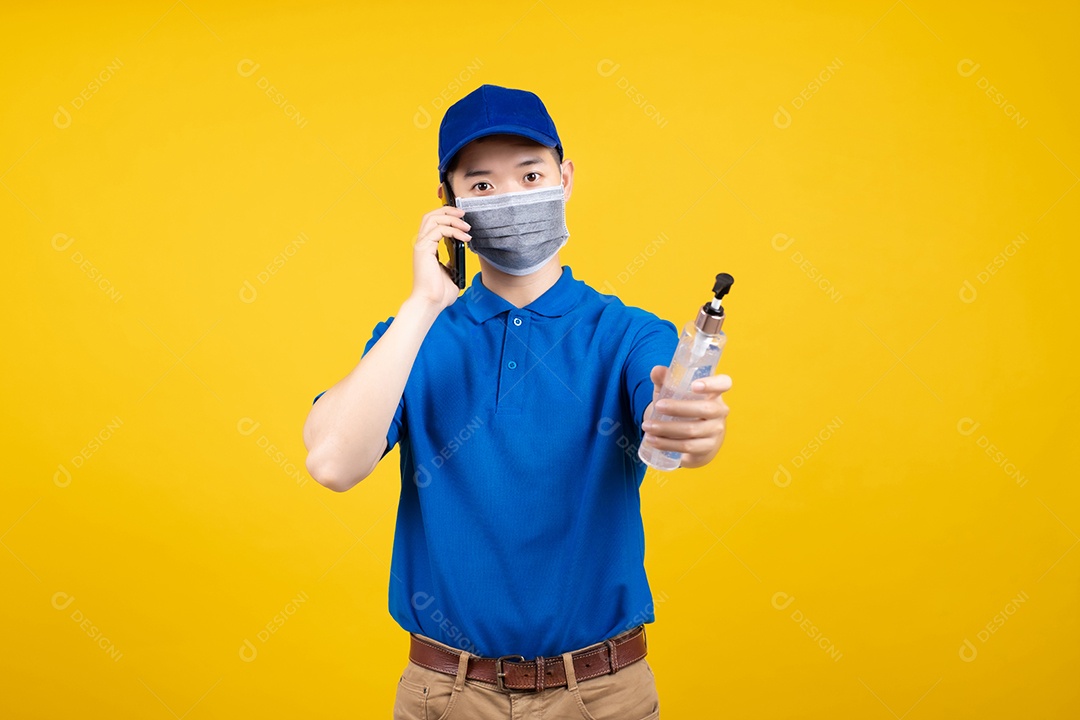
x,y
424,694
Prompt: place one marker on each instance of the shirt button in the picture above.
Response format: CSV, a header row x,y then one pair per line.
x,y
517,321
511,364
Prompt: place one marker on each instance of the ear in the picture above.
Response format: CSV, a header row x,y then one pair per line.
x,y
439,192
446,193
567,178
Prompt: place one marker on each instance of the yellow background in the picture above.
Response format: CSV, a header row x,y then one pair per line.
x,y
808,572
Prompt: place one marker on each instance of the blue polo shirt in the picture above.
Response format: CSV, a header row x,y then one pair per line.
x,y
519,522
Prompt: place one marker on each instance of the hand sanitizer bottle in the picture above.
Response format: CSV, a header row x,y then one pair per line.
x,y
695,358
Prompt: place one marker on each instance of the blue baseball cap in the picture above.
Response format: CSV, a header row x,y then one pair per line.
x,y
491,109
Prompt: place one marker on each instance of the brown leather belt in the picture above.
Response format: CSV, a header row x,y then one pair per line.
x,y
515,673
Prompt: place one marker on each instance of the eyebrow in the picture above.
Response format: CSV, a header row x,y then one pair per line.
x,y
535,160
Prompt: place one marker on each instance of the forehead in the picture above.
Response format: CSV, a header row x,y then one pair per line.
x,y
500,145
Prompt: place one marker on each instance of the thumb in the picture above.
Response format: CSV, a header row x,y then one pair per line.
x,y
658,374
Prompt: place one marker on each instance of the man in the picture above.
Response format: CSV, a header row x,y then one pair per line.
x,y
518,559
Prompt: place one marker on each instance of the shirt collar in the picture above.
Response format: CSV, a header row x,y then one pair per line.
x,y
557,300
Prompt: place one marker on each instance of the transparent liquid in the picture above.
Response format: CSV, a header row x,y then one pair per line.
x,y
685,368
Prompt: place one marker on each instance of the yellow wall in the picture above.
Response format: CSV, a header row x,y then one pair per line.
x,y
891,526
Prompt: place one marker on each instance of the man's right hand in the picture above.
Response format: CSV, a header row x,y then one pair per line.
x,y
431,279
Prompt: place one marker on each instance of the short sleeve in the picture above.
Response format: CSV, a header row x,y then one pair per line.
x,y
393,433
653,345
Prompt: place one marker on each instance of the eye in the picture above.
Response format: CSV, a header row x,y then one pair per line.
x,y
535,176
478,188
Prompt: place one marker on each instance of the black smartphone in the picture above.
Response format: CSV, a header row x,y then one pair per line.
x,y
455,248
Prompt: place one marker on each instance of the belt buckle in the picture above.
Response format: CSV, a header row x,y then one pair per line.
x,y
499,674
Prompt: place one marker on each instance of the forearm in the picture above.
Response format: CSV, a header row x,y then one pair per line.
x,y
345,431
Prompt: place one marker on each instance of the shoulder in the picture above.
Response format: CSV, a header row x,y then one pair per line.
x,y
632,317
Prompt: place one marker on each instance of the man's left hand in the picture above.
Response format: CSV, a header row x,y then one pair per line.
x,y
699,425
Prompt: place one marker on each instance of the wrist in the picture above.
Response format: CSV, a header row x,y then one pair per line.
x,y
420,307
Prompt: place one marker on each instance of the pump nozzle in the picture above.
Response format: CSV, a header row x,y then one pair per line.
x,y
723,285
711,317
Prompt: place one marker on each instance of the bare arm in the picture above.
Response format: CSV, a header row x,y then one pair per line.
x,y
345,431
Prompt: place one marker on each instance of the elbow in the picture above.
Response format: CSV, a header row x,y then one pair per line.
x,y
331,483
330,476
338,482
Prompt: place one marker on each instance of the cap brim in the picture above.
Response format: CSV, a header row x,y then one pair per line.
x,y
543,139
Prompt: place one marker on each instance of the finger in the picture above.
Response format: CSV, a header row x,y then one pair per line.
x,y
445,210
657,375
439,232
683,429
453,219
445,220
712,384
442,216
694,446
708,408
648,411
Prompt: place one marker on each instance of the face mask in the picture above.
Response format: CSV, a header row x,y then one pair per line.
x,y
517,232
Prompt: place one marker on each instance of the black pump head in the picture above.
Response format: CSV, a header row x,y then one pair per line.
x,y
723,285
713,308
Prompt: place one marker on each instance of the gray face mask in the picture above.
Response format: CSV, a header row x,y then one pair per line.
x,y
517,232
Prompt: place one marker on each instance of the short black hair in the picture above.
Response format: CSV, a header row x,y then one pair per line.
x,y
556,154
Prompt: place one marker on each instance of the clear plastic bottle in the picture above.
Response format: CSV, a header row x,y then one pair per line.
x,y
696,357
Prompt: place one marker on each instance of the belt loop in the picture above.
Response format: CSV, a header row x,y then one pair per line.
x,y
540,673
613,657
462,671
571,678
